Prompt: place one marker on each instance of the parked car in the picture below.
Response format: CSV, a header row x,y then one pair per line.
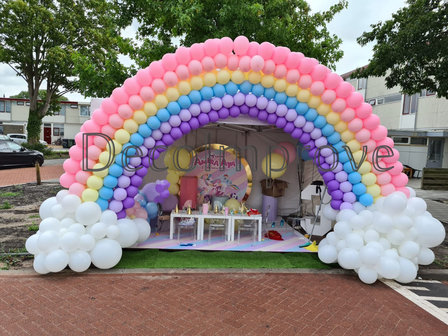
x,y
12,154
4,137
22,138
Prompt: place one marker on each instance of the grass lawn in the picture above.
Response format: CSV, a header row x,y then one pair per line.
x,y
218,259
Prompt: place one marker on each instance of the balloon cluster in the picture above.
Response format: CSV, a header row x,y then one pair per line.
x,y
78,234
275,164
387,240
151,194
176,160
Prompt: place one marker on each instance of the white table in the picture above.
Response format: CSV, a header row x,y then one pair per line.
x,y
183,214
257,218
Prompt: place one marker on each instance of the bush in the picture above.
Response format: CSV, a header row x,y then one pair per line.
x,y
39,147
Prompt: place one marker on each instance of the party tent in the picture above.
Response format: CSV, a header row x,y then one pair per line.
x,y
382,229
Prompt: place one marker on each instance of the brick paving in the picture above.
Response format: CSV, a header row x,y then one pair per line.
x,y
206,304
25,175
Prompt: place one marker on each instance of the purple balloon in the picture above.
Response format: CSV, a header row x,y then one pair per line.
x,y
227,101
135,161
120,194
305,138
312,154
239,99
165,127
262,115
316,133
300,121
203,119
281,122
341,176
194,123
308,127
346,205
282,109
129,171
216,103
253,112
157,134
195,110
223,113
323,165
121,214
145,162
234,111
272,118
149,190
128,202
185,127
116,206
132,191
176,133
244,109
332,186
328,176
291,115
142,171
164,194
251,100
175,121
205,106
167,139
213,116
162,185
136,181
349,197
144,151
271,107
345,186
124,181
297,133
320,141
160,146
185,115
338,203
262,103
149,142
310,145
326,152
289,127
169,203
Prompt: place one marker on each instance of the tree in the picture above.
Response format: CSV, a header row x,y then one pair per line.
x,y
411,48
287,23
54,104
62,46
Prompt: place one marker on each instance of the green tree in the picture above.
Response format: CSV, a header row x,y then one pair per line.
x,y
287,23
62,46
54,103
411,49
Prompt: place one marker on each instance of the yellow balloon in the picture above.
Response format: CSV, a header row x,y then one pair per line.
x,y
333,118
172,94
131,126
104,158
323,109
94,182
168,158
354,145
232,204
183,158
140,117
172,177
314,101
116,148
237,77
184,87
150,109
280,85
210,79
268,81
374,190
303,96
101,173
358,156
196,83
173,189
254,77
223,77
277,167
292,90
346,136
122,136
161,101
340,126
89,195
365,168
368,179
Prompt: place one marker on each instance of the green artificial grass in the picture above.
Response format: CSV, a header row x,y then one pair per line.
x,y
218,259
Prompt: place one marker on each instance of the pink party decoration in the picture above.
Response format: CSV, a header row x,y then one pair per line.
x,y
82,176
372,122
147,93
76,189
156,69
269,67
131,86
280,71
338,105
197,51
397,168
371,145
158,85
125,111
344,89
319,72
244,63
293,60
387,189
170,78
386,142
109,106
280,55
354,125
241,45
355,99
75,153
348,114
119,96
91,127
232,62
67,180
404,190
383,178
78,139
116,121
225,45
253,49
306,66
169,62
305,81
292,76
94,152
394,158
266,50
220,61
332,80
108,130
195,67
379,133
328,97
257,63
183,55
211,47
400,180
208,64
363,135
100,117
135,102
290,149
364,111
317,88
71,166
144,77
182,72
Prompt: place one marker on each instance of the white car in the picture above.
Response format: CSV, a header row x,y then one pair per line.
x,y
21,138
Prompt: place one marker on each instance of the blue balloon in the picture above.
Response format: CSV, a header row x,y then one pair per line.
x,y
348,167
343,158
231,88
366,199
110,181
153,122
163,115
339,146
301,108
195,97
280,97
115,170
119,160
102,203
219,90
206,93
152,209
144,130
137,139
354,177
303,153
106,193
327,130
258,90
246,87
291,102
269,93
184,102
311,114
334,138
131,149
173,108
320,121
359,189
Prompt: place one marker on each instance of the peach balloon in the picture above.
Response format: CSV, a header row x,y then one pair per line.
x,y
125,111
76,189
404,190
208,64
67,180
225,45
241,45
147,93
292,76
387,189
156,69
82,176
169,62
354,125
100,142
116,121
328,97
158,85
232,62
305,81
269,67
338,105
363,135
383,178
244,63
108,130
317,88
280,55
119,96
195,67
170,78
183,55
93,152
136,102
182,72
371,145
197,51
220,61
144,77
131,86
257,63
280,71
109,106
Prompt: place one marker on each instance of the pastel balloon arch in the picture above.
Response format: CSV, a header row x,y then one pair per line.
x,y
220,79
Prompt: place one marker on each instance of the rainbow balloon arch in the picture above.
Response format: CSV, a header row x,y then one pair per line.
x,y
382,229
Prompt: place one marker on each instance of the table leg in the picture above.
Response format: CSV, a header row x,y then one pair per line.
x,y
259,228
200,228
171,227
232,229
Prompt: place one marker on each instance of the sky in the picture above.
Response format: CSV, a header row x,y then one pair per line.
x,y
348,25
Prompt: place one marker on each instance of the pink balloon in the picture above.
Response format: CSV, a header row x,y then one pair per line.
x,y
144,77
338,105
280,55
387,189
116,121
135,102
244,63
197,51
293,60
383,178
87,164
125,112
78,139
100,117
158,85
82,176
183,55
169,62
332,80
195,67
317,88
241,45
225,45
319,72
266,50
305,81
364,111
397,168
394,158
306,66
290,149
211,47
156,69
232,62
182,72
269,67
292,76
208,64
170,78
253,49
91,127
109,106
119,96
220,61
76,189
328,97
75,153
379,133
344,89
400,180
93,152
257,63
372,122
386,142
71,166
108,130
147,93
363,135
100,142
348,114
280,71
371,145
131,86
355,99
355,125
67,180
404,190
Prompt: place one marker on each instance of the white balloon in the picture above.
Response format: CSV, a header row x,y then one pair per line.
x,y
69,241
348,258
98,230
328,254
367,275
408,271
395,236
86,242
39,264
345,215
417,204
342,229
332,238
128,232
323,242
56,260
78,228
109,217
430,232
367,215
31,244
411,234
358,207
48,241
403,222
341,244
66,222
70,203
113,232
61,194
58,211
376,245
426,256
88,213
329,213
354,241
143,228
49,224
357,222
79,261
388,268
395,203
369,255
45,207
383,223
411,192
371,235
106,253
391,253
409,249
385,243
379,203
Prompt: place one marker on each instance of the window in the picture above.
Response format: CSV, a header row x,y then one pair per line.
x,y
58,130
20,103
392,98
27,103
410,104
372,102
74,106
4,147
419,141
401,140
5,106
380,101
427,93
85,110
362,83
13,146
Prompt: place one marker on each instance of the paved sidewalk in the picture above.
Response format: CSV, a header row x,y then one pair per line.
x,y
26,175
206,304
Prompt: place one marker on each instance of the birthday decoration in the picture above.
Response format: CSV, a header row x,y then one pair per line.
x,y
220,79
151,195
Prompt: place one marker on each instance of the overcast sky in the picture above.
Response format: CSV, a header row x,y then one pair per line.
x,y
348,25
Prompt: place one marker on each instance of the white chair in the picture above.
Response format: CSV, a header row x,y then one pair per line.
x,y
215,226
187,224
248,226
